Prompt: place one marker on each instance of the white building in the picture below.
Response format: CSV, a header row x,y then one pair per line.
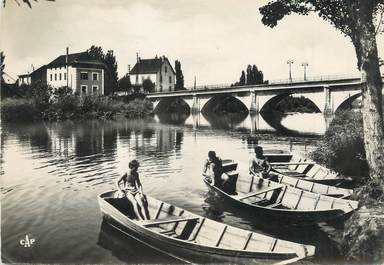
x,y
158,70
84,76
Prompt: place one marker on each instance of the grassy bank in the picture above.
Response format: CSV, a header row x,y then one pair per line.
x,y
43,104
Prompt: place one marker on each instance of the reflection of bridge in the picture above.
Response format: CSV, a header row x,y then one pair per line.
x,y
327,95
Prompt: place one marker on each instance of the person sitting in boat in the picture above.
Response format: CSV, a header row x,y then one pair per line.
x,y
133,190
213,170
259,165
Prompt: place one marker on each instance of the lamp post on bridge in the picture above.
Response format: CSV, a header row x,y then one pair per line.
x,y
305,64
290,62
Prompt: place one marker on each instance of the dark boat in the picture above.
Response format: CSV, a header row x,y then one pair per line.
x,y
268,198
190,237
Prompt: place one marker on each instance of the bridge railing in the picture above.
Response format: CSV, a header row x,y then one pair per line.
x,y
322,78
314,79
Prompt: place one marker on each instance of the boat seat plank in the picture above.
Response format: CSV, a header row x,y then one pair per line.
x,y
168,220
291,163
245,196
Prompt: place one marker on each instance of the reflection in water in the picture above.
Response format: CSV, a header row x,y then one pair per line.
x,y
127,249
225,120
53,173
172,118
284,124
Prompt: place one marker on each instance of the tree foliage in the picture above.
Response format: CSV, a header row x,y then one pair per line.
x,y
344,15
252,77
148,85
111,75
109,59
27,2
124,83
179,76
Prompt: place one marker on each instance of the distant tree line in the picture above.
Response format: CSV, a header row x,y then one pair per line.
x,y
252,76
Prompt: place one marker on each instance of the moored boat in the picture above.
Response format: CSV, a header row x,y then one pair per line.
x,y
185,235
296,166
263,196
311,186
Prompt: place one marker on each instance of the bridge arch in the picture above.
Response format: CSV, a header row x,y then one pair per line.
x,y
271,102
221,100
160,105
342,105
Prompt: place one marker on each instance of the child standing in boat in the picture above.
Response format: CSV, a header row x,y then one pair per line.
x,y
259,165
213,170
133,190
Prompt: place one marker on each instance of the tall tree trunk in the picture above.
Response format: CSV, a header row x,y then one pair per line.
x,y
368,63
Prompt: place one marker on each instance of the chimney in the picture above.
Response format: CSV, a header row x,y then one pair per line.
x,y
137,57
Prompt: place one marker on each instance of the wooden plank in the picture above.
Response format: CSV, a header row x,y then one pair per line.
x,y
273,245
259,192
313,185
159,210
297,182
291,163
333,202
198,230
168,220
298,201
247,241
176,224
317,202
221,236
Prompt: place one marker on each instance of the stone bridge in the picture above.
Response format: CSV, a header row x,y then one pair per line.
x,y
328,95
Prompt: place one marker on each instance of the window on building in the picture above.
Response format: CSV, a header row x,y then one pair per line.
x,y
55,77
65,76
95,76
84,76
51,76
60,76
142,79
95,89
161,78
170,88
170,79
165,68
83,89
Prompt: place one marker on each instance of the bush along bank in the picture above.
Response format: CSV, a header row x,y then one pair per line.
x,y
42,103
362,239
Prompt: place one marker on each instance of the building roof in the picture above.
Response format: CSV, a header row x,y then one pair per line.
x,y
149,66
78,59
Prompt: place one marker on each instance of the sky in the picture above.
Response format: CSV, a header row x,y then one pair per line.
x,y
213,39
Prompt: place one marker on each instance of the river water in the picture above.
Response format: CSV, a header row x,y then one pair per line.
x,y
51,174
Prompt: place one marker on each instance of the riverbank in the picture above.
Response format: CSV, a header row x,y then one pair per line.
x,y
343,150
73,107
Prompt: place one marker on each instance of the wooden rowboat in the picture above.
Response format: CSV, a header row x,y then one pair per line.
x,y
284,202
229,167
314,187
185,235
308,170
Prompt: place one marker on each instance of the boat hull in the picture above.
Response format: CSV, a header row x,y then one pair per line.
x,y
182,250
292,216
